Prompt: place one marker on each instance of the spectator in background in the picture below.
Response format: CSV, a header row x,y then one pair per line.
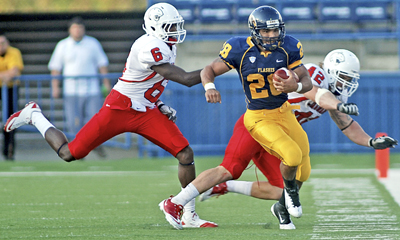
x,y
79,55
11,65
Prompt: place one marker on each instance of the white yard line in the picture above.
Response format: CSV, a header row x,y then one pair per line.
x,y
353,208
392,183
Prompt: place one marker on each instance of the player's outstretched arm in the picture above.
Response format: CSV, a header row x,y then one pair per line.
x,y
208,74
177,74
356,133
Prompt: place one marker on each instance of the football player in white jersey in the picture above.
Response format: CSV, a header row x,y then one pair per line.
x,y
134,104
333,83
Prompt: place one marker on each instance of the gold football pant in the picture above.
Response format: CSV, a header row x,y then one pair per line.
x,y
280,134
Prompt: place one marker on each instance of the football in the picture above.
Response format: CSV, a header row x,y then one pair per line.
x,y
284,73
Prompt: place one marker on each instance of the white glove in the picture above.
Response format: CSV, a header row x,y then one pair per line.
x,y
382,142
166,110
348,108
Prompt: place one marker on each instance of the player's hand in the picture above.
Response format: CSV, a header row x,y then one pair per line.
x,y
382,142
213,96
285,85
348,108
167,110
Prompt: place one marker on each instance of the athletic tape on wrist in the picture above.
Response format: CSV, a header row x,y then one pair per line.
x,y
299,87
318,95
209,85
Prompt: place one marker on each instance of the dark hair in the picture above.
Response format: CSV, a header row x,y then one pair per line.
x,y
2,33
76,20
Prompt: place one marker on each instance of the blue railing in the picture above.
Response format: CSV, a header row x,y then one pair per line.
x,y
208,127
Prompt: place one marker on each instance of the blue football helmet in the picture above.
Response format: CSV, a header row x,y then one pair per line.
x,y
266,17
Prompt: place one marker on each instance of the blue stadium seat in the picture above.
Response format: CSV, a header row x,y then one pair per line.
x,y
336,11
187,9
371,11
215,11
298,11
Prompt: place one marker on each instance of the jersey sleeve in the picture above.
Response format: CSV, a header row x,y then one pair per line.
x,y
231,52
317,75
294,49
154,53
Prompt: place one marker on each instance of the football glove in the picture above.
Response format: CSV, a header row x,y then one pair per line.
x,y
382,142
166,110
348,108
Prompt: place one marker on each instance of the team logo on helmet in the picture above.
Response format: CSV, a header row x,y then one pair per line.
x,y
156,14
337,58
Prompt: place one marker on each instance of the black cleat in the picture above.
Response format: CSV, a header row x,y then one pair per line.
x,y
280,212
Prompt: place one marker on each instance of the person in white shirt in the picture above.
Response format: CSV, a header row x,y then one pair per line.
x,y
74,57
134,105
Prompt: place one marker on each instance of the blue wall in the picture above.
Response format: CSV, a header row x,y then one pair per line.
x,y
208,127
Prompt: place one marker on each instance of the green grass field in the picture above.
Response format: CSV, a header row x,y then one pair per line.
x,y
118,199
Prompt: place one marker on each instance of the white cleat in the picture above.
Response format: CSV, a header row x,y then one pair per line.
x,y
172,211
292,202
192,220
22,117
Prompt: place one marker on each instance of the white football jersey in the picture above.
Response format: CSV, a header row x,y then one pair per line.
x,y
138,81
309,110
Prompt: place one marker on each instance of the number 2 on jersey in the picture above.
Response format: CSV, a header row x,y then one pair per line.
x,y
257,83
319,77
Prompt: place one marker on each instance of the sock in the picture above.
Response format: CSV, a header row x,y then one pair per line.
x,y
189,207
186,195
241,187
282,199
290,184
40,122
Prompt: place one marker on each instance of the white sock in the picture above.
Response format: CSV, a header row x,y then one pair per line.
x,y
40,122
190,206
241,187
186,195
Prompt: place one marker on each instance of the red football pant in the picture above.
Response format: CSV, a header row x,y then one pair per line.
x,y
242,148
116,117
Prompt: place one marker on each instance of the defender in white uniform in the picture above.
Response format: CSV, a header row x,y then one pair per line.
x,y
131,106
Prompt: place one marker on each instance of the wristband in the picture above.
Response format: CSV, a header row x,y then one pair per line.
x,y
159,103
370,143
209,85
299,87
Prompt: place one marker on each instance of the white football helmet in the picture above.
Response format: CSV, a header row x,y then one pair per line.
x,y
342,67
160,18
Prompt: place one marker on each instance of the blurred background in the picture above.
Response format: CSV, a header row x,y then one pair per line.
x,y
368,28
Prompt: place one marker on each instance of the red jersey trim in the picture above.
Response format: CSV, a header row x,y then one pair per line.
x,y
149,77
297,100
